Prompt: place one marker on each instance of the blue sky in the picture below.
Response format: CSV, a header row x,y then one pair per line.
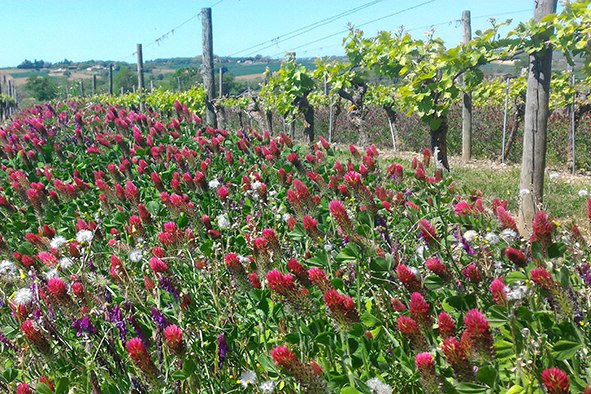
x,y
110,30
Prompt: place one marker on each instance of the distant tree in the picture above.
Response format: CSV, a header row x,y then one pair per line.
x,y
190,76
25,64
125,79
67,74
42,88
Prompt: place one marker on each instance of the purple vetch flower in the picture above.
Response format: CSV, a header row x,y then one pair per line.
x,y
223,349
168,286
159,318
8,344
84,327
463,243
139,331
585,272
382,228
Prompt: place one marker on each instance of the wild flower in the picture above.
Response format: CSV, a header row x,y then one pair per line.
x,y
542,230
447,326
411,330
284,285
507,222
408,279
142,359
304,374
426,366
36,337
135,255
498,290
378,387
420,311
428,232
438,268
457,357
268,386
478,330
342,310
223,222
57,242
23,388
556,381
84,236
23,296
516,257
173,337
318,277
247,377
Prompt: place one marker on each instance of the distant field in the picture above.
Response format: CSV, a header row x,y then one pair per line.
x,y
247,69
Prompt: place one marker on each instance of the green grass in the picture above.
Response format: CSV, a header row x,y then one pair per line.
x,y
561,198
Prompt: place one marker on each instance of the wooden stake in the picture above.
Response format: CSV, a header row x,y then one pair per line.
x,y
466,99
140,76
208,77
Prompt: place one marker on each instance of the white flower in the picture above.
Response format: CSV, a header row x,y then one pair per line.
x,y
286,217
247,377
378,387
52,273
84,236
328,247
214,184
8,270
66,262
255,185
508,235
23,296
223,221
268,386
583,193
470,235
57,242
492,238
244,259
553,176
516,293
135,256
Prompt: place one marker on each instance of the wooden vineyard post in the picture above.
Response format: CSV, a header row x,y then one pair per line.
x,y
93,84
178,80
533,164
208,76
221,83
152,86
110,79
466,99
505,119
140,76
81,87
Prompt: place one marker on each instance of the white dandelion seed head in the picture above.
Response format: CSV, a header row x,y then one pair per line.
x,y
214,184
470,235
553,176
583,193
23,296
492,238
223,222
255,185
508,235
8,270
378,387
84,236
66,262
135,256
268,386
247,377
52,273
57,242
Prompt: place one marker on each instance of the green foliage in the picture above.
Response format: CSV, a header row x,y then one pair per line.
x,y
124,79
42,88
